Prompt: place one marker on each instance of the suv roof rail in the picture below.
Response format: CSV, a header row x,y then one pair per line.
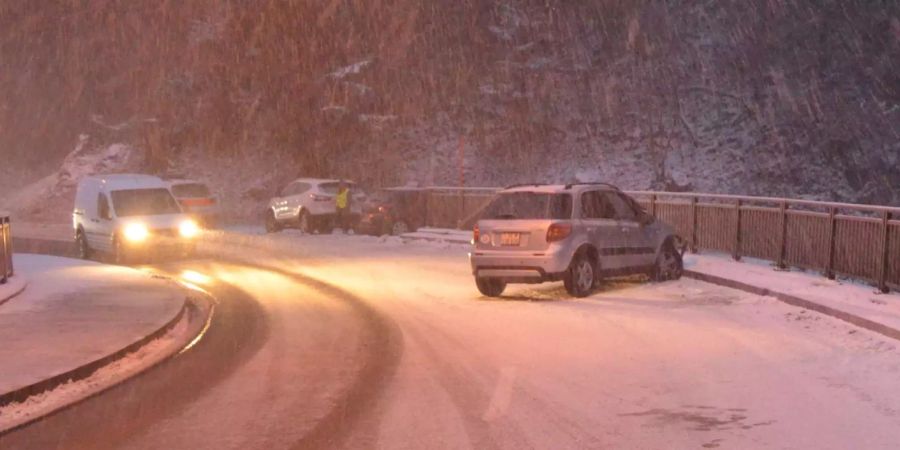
x,y
593,183
524,184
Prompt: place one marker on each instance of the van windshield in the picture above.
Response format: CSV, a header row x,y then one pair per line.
x,y
529,205
144,202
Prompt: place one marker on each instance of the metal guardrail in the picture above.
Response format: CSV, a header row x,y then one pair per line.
x,y
449,207
6,250
852,240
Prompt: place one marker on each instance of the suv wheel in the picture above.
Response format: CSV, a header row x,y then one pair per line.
x,y
399,227
81,244
490,287
304,222
272,225
669,265
580,277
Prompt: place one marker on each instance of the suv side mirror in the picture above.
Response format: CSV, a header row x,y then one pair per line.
x,y
647,219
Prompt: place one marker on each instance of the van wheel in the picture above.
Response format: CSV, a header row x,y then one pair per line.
x,y
490,287
669,264
272,225
81,246
580,278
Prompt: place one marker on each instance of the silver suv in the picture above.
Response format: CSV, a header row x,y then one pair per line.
x,y
576,233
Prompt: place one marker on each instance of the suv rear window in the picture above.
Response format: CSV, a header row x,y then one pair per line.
x,y
190,190
529,205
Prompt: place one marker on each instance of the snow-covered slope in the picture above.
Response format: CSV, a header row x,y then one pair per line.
x,y
51,197
771,97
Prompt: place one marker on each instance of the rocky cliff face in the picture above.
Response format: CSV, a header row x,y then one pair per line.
x,y
774,97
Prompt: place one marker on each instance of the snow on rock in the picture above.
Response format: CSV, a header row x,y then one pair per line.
x,y
352,69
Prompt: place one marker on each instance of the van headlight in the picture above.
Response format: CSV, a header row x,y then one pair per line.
x,y
136,232
188,229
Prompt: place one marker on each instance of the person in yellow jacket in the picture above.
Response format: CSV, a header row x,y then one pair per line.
x,y
342,207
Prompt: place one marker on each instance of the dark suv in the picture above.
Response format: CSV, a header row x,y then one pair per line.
x,y
393,211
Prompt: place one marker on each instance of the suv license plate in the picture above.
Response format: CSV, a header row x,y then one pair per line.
x,y
510,239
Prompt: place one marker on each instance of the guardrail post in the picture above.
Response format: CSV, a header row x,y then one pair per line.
x,y
694,245
462,209
427,207
885,247
832,226
782,249
736,254
9,246
3,271
6,267
653,205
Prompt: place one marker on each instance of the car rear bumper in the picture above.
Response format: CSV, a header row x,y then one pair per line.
x,y
371,224
516,267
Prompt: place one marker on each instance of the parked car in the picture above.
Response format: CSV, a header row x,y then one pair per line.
x,y
309,204
393,211
576,233
130,217
196,199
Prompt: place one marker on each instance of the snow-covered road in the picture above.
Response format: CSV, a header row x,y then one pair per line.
x,y
398,338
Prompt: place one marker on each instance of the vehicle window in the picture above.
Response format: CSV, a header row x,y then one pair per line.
x,y
144,202
594,205
191,190
332,187
295,188
529,205
623,209
103,206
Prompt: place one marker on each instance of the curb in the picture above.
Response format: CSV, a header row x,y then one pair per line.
x,y
16,292
64,249
449,239
88,369
792,300
49,247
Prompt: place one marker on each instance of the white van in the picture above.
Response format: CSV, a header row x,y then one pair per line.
x,y
129,216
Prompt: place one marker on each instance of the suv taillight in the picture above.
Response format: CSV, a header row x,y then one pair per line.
x,y
475,234
558,231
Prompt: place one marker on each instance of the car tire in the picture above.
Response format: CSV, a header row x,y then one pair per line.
x,y
304,222
399,227
669,264
272,225
490,287
581,277
81,246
